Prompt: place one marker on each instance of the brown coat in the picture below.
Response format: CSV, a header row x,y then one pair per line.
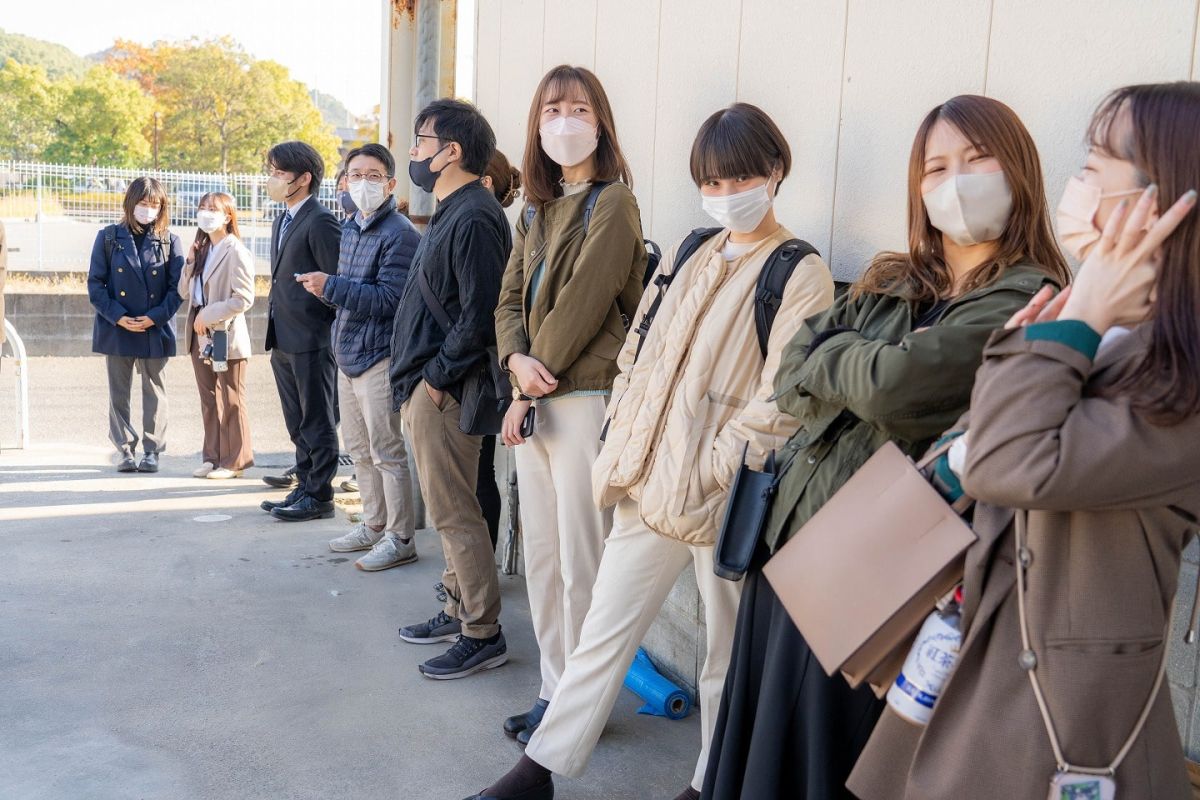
x,y
229,290
1113,500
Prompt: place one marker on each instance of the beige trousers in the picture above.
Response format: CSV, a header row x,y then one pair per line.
x,y
447,468
372,433
562,531
637,571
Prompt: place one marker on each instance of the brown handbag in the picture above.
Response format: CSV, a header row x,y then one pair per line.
x,y
861,575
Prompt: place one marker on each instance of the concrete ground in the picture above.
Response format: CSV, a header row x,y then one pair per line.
x,y
164,638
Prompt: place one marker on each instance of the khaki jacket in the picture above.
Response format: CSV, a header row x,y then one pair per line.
x,y
589,290
3,277
229,291
1113,499
681,415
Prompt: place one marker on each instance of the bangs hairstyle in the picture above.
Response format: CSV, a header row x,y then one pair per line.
x,y
1153,126
146,189
922,275
541,173
227,206
740,141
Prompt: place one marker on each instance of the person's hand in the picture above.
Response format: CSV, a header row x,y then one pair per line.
x,y
535,380
510,430
1045,306
145,322
314,282
130,324
199,327
190,262
1115,284
436,395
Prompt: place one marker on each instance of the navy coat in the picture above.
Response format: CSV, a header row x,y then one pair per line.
x,y
134,284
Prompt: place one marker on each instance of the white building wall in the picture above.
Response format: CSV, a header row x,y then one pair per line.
x,y
848,81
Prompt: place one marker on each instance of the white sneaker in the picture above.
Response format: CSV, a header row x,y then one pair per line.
x,y
387,553
360,537
203,470
222,474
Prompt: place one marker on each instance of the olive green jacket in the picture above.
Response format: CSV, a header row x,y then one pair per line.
x,y
871,378
589,290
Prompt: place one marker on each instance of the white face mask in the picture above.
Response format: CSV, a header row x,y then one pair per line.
x,y
144,215
741,212
208,221
366,195
970,209
568,140
1076,215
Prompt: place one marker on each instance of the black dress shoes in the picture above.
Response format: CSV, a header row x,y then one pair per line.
x,y
293,496
543,792
149,463
287,480
127,464
304,509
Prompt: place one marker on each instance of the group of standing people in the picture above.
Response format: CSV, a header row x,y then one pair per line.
x,y
1072,403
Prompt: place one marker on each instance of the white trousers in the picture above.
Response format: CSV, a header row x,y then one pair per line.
x,y
637,571
562,531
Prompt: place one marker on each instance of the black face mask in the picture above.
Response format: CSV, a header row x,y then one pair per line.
x,y
420,173
347,204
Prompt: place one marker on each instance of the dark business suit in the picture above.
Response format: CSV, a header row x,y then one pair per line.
x,y
298,340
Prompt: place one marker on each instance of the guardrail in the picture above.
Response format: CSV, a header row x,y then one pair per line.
x,y
14,344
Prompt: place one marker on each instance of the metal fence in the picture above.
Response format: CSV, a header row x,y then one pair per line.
x,y
52,211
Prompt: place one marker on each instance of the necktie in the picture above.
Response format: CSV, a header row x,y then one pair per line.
x,y
283,226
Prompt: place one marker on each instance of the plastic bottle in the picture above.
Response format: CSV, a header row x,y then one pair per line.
x,y
929,665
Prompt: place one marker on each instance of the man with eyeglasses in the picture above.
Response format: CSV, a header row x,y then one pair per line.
x,y
304,240
378,244
444,325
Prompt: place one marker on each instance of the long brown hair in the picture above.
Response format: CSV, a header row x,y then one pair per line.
x,y
922,274
541,173
226,205
1160,142
146,188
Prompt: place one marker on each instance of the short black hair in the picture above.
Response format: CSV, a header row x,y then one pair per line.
x,y
459,121
298,158
376,151
739,140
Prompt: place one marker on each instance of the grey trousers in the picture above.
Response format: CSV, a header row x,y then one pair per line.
x,y
154,404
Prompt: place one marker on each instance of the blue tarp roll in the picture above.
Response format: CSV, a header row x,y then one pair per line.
x,y
663,698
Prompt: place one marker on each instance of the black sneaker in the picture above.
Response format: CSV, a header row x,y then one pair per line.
x,y
466,657
293,496
442,628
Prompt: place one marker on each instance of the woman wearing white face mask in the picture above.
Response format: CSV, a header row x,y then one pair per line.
x,y
573,280
893,360
218,286
132,277
693,395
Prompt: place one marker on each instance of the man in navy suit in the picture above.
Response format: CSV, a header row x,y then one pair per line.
x,y
305,238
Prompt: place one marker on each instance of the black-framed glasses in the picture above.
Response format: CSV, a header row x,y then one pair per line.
x,y
417,139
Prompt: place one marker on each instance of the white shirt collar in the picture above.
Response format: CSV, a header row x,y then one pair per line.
x,y
293,209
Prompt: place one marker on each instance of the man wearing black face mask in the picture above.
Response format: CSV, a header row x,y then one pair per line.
x,y
304,238
460,262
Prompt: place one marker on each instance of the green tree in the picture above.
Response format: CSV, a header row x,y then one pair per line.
x,y
102,122
29,103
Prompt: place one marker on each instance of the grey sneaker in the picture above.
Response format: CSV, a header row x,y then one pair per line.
x,y
466,657
388,552
442,628
360,537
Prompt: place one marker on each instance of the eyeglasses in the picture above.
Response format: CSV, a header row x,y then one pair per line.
x,y
417,139
369,177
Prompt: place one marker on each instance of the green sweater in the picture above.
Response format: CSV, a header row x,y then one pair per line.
x,y
872,378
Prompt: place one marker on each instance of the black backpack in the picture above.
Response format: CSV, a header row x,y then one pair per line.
x,y
653,253
768,295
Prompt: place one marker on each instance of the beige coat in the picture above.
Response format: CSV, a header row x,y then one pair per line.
x,y
229,290
1113,501
700,390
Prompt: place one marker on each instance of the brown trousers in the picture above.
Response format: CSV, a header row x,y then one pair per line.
x,y
226,426
448,468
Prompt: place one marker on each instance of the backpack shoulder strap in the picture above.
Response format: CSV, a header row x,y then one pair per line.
x,y
110,242
431,302
686,250
772,281
589,205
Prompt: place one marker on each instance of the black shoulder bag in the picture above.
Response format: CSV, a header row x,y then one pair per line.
x,y
485,398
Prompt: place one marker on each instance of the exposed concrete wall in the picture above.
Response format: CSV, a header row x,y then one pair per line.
x,y
848,81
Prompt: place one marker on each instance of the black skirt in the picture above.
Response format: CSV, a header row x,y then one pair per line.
x,y
785,729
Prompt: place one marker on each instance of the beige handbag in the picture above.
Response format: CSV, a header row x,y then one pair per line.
x,y
861,575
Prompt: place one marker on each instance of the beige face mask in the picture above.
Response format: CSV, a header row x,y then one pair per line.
x,y
970,209
1077,215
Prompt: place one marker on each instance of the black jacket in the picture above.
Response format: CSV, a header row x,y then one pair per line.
x,y
463,253
299,322
372,270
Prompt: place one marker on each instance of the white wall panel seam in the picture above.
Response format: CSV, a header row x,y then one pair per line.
x,y
987,52
737,63
654,125
1195,34
837,147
